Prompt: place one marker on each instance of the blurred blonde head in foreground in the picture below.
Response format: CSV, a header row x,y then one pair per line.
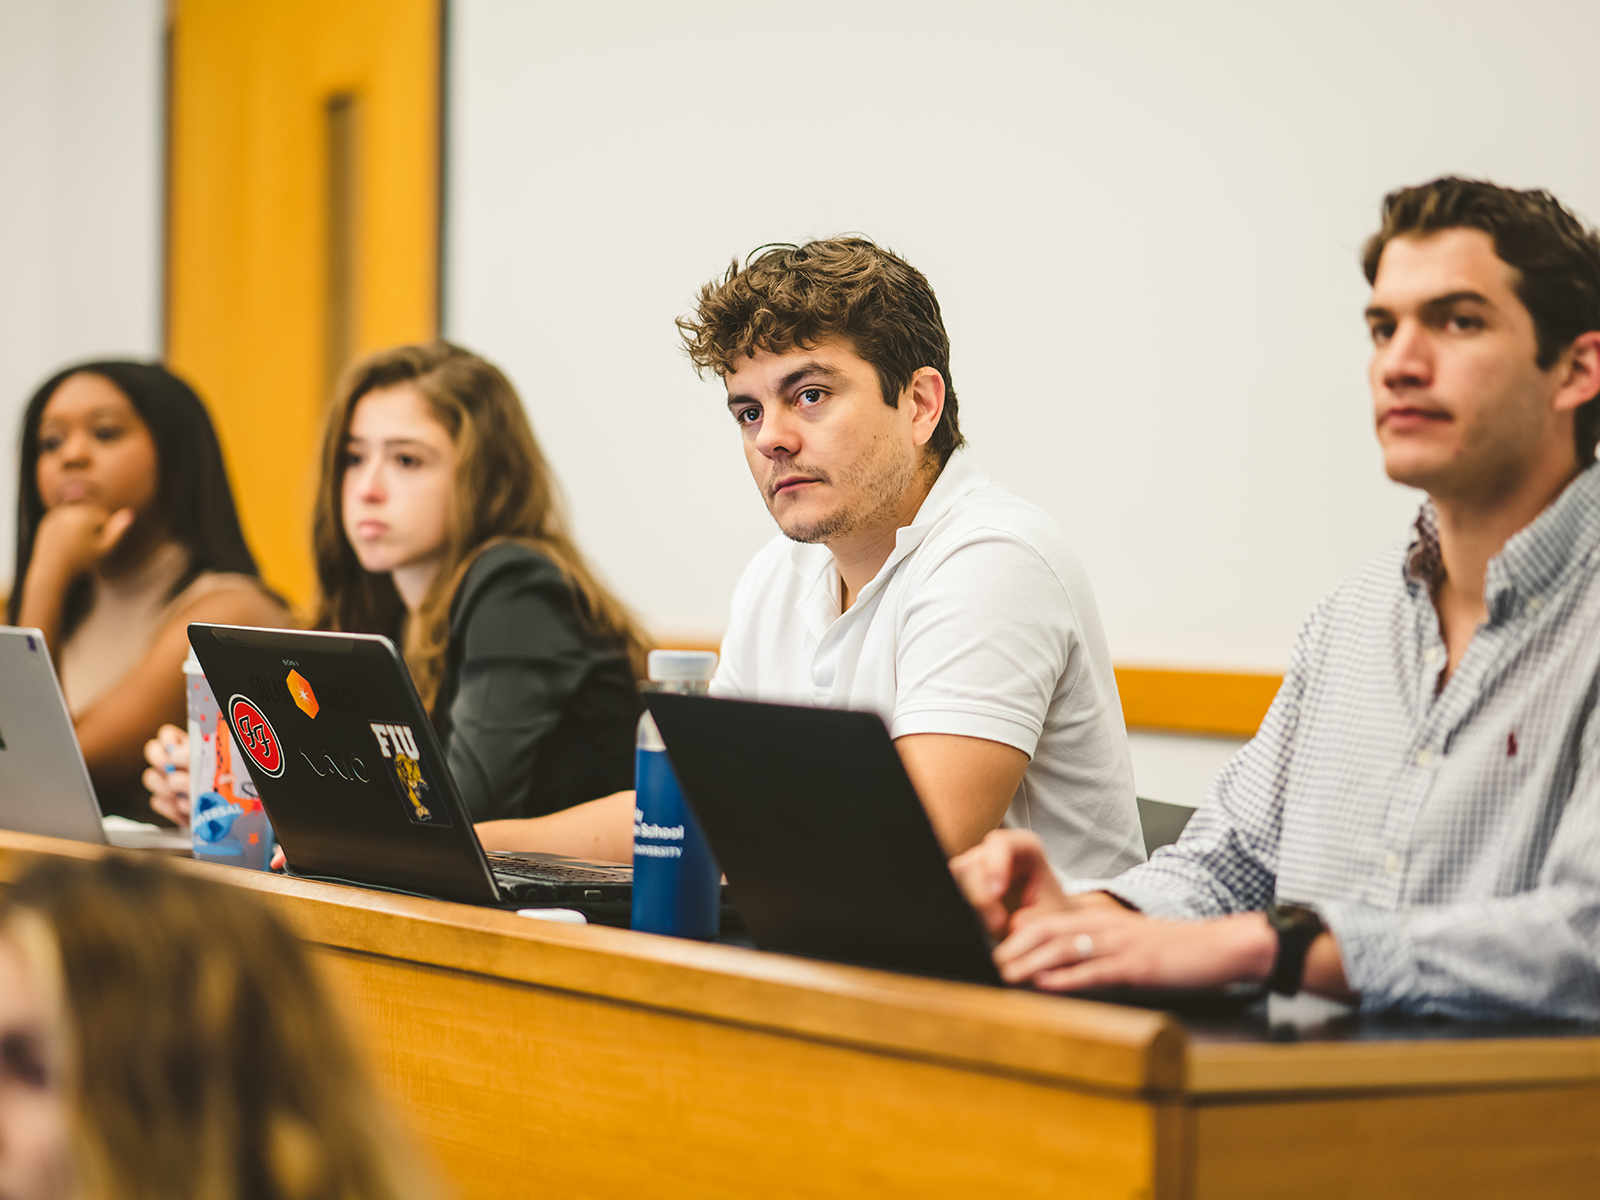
x,y
164,1036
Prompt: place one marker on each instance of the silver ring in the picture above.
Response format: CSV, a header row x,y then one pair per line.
x,y
1084,945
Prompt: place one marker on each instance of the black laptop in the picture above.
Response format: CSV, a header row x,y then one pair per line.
x,y
354,781
826,847
829,852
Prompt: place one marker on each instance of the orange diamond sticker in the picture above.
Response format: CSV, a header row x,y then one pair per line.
x,y
304,698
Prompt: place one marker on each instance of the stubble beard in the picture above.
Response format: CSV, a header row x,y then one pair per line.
x,y
881,482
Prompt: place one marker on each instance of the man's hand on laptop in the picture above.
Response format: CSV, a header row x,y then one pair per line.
x,y
1109,946
1061,942
1008,873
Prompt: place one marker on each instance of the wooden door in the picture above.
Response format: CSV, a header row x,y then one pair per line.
x,y
303,212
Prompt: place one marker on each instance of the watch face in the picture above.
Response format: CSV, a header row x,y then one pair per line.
x,y
1292,916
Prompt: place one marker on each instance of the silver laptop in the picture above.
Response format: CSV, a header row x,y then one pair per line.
x,y
44,785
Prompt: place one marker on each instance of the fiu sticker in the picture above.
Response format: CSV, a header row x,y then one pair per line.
x,y
256,736
399,748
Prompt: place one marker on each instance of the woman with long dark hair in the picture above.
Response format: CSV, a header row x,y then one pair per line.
x,y
126,532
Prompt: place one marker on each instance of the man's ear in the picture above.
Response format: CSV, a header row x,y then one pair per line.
x,y
1581,382
925,394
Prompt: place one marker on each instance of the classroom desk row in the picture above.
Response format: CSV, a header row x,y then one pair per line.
x,y
540,1059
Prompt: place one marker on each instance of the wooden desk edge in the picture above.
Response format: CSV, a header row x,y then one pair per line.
x,y
1217,1070
1062,1040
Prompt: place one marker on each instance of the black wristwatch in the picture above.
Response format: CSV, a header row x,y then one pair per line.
x,y
1297,927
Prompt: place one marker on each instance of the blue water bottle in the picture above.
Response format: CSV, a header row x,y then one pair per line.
x,y
677,885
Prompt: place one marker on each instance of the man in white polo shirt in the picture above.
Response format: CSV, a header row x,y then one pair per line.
x,y
905,582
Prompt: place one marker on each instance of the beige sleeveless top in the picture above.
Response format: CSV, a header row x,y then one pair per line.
x,y
125,616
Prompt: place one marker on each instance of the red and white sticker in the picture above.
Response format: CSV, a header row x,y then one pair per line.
x,y
255,735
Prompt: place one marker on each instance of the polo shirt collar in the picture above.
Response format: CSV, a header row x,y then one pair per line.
x,y
819,603
960,477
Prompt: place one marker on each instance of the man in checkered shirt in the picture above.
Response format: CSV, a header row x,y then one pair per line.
x,y
1417,824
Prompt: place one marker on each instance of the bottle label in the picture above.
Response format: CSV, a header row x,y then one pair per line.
x,y
676,882
643,830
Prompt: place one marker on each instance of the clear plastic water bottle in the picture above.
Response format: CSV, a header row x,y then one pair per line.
x,y
226,819
677,885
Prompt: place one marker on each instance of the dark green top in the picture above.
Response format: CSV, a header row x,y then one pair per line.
x,y
536,712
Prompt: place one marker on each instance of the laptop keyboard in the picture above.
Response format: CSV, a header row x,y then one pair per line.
x,y
558,872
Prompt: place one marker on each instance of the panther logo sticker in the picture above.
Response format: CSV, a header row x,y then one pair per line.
x,y
398,745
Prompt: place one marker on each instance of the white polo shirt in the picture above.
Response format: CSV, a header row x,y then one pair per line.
x,y
981,623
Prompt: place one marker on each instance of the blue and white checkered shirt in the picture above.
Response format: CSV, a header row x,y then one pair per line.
x,y
1450,839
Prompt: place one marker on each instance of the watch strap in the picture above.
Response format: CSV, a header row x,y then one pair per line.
x,y
1297,927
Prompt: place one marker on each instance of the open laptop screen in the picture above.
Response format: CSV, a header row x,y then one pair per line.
x,y
346,761
827,849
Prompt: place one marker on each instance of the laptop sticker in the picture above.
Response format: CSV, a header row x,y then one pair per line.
x,y
256,736
304,698
399,748
331,697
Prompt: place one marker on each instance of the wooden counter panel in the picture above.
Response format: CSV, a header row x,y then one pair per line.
x,y
1047,1036
1240,1068
1504,1144
524,1090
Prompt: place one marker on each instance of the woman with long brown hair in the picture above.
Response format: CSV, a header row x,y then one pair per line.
x,y
438,525
164,1035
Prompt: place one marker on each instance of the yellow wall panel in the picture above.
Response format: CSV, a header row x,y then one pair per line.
x,y
1225,703
248,258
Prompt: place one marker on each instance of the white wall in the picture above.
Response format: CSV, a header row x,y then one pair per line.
x,y
80,198
1142,221
1177,768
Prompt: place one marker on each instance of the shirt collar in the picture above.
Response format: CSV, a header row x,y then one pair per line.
x,y
960,477
1533,560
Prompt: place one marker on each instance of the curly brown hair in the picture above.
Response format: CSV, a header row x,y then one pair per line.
x,y
786,297
1556,258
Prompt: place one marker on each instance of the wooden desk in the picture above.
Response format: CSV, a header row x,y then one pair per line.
x,y
545,1059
